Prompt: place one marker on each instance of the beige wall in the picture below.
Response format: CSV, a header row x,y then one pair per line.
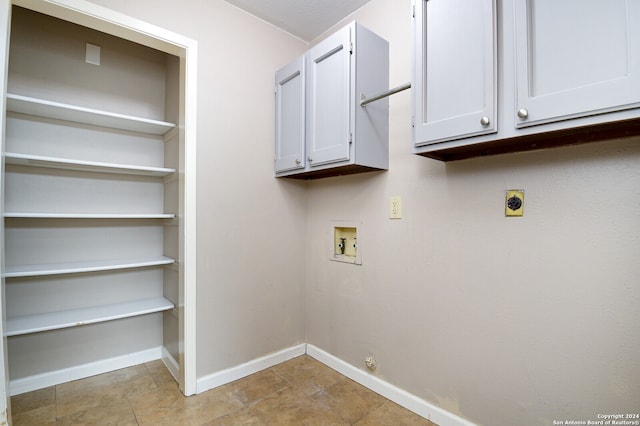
x,y
504,321
251,227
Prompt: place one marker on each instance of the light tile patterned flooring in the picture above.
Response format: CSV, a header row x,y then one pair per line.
x,y
301,391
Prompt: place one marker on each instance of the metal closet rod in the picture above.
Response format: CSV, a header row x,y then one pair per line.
x,y
364,100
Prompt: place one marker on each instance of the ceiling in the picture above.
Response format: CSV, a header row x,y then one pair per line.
x,y
305,19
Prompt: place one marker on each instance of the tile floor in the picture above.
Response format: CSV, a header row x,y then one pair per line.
x,y
301,391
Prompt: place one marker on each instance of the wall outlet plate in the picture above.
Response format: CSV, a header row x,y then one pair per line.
x,y
514,203
395,207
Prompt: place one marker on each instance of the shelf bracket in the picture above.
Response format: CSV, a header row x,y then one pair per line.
x,y
364,100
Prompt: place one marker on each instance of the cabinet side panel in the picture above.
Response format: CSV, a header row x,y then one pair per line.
x,y
171,246
5,401
371,134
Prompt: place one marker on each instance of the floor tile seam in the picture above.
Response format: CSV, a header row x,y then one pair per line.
x,y
343,410
250,404
153,379
366,415
235,410
289,382
55,400
130,403
300,386
251,410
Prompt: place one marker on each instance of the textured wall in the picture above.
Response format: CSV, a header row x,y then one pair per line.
x,y
503,321
250,226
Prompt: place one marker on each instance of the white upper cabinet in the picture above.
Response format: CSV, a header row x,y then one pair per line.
x,y
576,58
290,126
321,128
499,76
455,93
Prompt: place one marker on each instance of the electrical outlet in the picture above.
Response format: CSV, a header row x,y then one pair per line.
x,y
395,208
370,362
514,203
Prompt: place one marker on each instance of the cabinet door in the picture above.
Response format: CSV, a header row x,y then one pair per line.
x,y
328,95
575,58
290,117
455,69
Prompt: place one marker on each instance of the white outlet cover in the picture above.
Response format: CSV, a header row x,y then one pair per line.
x,y
92,55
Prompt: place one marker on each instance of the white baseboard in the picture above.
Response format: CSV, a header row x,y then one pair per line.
x,y
171,364
401,397
234,373
52,378
389,391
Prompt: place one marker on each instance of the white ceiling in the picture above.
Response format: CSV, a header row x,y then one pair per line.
x,y
306,19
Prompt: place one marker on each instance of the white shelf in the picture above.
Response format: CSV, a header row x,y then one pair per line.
x,y
84,166
76,317
78,267
22,215
76,114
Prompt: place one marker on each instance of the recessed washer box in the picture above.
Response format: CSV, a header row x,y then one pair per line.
x,y
345,245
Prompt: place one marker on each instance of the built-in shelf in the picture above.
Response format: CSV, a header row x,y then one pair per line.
x,y
79,267
76,114
21,215
84,166
76,317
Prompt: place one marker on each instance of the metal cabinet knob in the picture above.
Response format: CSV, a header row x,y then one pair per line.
x,y
297,161
523,113
484,121
309,159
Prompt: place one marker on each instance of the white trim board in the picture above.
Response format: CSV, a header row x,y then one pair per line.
x,y
243,370
171,363
52,378
389,391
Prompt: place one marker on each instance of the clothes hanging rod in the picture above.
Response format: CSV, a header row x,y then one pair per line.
x,y
364,100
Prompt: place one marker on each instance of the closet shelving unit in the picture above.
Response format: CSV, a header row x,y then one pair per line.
x,y
97,195
76,317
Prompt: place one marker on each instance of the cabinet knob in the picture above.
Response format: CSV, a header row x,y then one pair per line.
x,y
309,159
523,113
484,121
297,161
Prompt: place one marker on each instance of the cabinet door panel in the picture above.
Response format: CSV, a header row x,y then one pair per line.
x,y
328,124
455,70
290,117
576,58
